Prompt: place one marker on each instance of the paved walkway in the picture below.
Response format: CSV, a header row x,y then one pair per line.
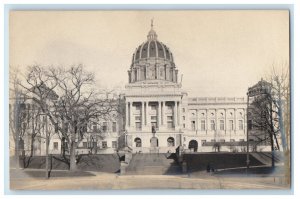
x,y
114,181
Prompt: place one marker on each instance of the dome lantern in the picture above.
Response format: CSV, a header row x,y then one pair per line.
x,y
152,34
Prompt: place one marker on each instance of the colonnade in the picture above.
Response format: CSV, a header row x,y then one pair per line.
x,y
162,110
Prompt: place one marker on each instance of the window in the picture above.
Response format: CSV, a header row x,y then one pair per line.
x,y
250,124
94,144
232,140
183,125
94,126
104,144
202,125
169,107
213,140
183,110
153,107
241,126
84,144
104,127
212,125
231,127
55,145
222,140
222,125
171,142
114,126
114,144
138,142
153,118
170,124
170,121
138,108
138,126
193,125
183,117
242,140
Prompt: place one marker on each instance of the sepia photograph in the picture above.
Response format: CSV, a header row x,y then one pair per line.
x,y
149,99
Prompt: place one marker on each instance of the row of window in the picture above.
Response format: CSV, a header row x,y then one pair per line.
x,y
170,140
138,124
104,127
213,125
154,107
222,140
90,144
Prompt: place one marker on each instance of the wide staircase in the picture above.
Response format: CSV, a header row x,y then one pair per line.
x,y
266,157
153,164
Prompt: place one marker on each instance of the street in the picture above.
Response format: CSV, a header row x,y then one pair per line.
x,y
98,181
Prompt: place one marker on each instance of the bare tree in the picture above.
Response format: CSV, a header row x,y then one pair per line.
x,y
68,98
17,116
34,132
270,111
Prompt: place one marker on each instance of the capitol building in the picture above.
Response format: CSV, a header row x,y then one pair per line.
x,y
159,116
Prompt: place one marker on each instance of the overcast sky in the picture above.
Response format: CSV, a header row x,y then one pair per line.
x,y
219,53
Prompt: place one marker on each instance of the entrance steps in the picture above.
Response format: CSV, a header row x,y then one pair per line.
x,y
153,164
266,157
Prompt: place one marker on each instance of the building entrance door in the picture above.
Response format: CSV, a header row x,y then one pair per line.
x,y
154,142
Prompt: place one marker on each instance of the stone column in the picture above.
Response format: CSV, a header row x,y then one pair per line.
x,y
138,74
225,120
131,114
129,76
174,75
126,114
234,121
180,114
132,75
175,114
147,114
206,121
159,114
142,116
216,122
197,120
163,113
245,120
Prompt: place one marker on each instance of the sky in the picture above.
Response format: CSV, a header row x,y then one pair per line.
x,y
219,53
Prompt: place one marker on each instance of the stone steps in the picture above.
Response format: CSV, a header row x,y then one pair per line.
x,y
152,164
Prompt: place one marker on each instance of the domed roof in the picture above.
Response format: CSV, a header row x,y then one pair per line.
x,y
152,48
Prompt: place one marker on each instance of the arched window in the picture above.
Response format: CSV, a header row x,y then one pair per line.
x,y
138,142
193,144
171,142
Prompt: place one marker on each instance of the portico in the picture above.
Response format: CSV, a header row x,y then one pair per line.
x,y
164,115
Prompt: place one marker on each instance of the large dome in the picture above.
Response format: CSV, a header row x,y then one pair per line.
x,y
152,60
152,49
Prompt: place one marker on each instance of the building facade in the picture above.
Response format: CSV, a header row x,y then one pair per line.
x,y
158,115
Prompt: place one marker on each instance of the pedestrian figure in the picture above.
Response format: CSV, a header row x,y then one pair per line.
x,y
208,168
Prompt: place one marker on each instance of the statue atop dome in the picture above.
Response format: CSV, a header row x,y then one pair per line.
x,y
152,34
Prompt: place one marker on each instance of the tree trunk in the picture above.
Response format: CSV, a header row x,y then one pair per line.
x,y
272,149
17,158
73,166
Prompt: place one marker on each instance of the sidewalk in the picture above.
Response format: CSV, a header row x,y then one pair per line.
x,y
98,181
